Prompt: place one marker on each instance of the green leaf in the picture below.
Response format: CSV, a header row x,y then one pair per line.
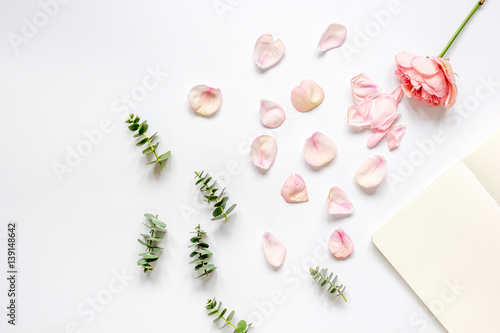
x,y
160,224
142,242
205,267
150,217
222,314
201,251
221,216
149,256
165,156
150,149
143,128
222,202
142,262
242,325
207,272
230,209
143,141
133,127
217,211
231,315
197,261
137,119
152,137
154,239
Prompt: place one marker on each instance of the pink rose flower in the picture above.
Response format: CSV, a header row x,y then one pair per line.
x,y
427,79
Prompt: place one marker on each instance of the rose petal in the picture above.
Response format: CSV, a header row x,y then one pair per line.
x,y
371,172
425,66
340,244
384,113
394,135
333,37
360,115
319,149
263,151
449,101
204,100
307,95
362,87
403,59
268,53
274,249
397,94
338,202
294,189
375,138
272,114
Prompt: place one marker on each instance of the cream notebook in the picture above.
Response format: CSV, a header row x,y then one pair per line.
x,y
446,243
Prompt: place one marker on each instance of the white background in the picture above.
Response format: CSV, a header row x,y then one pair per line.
x,y
75,232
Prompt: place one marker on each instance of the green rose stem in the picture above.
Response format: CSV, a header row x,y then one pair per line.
x,y
478,4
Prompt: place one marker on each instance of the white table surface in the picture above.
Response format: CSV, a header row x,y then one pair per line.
x,y
77,233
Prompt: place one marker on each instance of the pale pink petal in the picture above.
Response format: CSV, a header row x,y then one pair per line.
x,y
362,87
204,100
268,53
338,202
394,135
403,59
397,94
384,113
272,114
425,66
371,172
319,149
360,115
375,138
274,249
263,151
333,37
294,189
307,95
340,244
450,76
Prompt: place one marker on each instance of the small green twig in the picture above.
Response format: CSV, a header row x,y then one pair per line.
x,y
141,129
201,254
211,195
324,279
214,309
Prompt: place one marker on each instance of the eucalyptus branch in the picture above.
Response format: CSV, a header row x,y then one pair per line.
x,y
141,133
325,279
202,254
149,239
214,309
210,192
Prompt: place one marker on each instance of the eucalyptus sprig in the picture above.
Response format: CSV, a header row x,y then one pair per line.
x,y
324,279
201,254
210,192
214,309
141,130
149,239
